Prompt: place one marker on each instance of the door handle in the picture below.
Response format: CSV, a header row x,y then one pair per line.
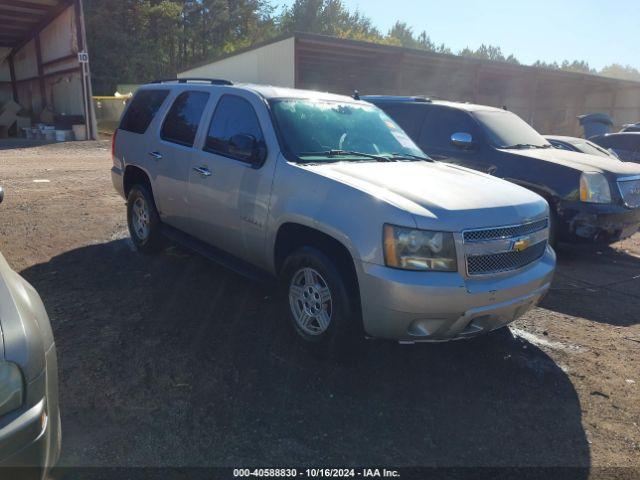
x,y
203,171
155,155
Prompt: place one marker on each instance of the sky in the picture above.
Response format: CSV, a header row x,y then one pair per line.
x,y
593,30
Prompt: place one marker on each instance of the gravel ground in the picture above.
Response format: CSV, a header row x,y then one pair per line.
x,y
170,360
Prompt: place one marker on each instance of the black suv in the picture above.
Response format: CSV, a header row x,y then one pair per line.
x,y
626,145
591,198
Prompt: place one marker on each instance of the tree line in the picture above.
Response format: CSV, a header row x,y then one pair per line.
x,y
135,41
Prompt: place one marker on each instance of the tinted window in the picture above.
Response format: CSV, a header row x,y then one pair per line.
x,y
233,116
630,142
619,142
181,124
410,117
506,129
143,108
441,123
602,141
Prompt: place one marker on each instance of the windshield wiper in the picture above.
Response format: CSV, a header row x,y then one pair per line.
x,y
522,146
412,157
338,153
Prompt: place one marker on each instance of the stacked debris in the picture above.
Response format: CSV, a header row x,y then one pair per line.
x,y
13,119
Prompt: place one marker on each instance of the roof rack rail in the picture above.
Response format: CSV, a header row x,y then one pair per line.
x,y
397,98
212,81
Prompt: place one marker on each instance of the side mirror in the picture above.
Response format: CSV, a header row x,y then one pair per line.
x,y
1,194
247,148
462,140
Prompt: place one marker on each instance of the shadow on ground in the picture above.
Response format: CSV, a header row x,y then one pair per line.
x,y
599,284
11,143
171,360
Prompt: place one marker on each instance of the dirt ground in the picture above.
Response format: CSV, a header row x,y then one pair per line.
x,y
172,360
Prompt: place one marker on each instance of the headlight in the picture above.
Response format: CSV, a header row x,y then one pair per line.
x,y
11,387
594,188
412,249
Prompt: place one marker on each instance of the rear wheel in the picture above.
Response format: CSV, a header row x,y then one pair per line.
x,y
317,303
143,219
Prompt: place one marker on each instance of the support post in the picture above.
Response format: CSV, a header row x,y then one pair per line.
x,y
87,93
43,90
14,84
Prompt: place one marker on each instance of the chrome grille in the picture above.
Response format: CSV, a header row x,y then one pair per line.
x,y
504,232
630,191
505,261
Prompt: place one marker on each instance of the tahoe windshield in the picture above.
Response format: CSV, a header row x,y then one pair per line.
x,y
507,130
315,131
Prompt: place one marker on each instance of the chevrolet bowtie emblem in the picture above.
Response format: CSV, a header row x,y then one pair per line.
x,y
521,244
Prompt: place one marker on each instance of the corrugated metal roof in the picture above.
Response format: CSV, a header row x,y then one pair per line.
x,y
21,19
315,45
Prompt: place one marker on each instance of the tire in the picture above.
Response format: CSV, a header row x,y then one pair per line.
x,y
315,293
143,220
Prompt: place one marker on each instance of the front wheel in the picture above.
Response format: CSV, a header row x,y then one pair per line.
x,y
317,301
143,220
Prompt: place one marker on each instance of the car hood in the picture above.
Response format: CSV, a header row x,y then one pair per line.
x,y
581,161
440,195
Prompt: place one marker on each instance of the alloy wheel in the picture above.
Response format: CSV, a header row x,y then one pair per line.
x,y
310,301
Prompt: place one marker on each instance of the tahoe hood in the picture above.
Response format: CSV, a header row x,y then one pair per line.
x,y
440,196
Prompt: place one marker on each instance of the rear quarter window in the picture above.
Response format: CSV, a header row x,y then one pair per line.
x,y
143,108
410,117
619,142
182,122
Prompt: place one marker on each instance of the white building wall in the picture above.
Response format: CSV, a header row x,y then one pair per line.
x,y
270,65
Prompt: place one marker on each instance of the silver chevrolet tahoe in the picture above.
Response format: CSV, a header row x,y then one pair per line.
x,y
29,413
326,193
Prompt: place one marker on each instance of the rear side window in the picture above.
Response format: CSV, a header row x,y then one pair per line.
x,y
441,123
603,142
233,116
181,124
143,108
621,142
410,117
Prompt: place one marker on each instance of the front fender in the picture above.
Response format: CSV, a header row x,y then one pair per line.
x,y
345,213
26,329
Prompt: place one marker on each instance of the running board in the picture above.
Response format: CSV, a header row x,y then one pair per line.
x,y
216,255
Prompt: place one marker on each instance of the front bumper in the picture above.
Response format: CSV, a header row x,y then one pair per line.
x,y
25,443
593,223
433,306
30,438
